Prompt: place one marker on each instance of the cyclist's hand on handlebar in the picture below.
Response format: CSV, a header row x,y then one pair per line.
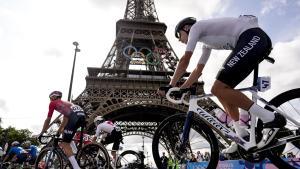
x,y
57,134
163,90
39,137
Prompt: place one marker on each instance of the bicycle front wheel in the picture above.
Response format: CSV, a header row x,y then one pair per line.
x,y
201,138
49,158
289,103
93,156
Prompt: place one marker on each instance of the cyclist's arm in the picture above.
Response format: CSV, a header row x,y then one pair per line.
x,y
6,157
63,124
197,72
49,116
181,67
46,124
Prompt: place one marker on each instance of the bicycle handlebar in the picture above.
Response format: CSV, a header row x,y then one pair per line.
x,y
43,139
179,91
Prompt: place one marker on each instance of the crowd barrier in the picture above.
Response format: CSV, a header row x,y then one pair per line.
x,y
242,164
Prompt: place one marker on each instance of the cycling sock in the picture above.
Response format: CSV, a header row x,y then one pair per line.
x,y
74,162
239,131
263,114
244,118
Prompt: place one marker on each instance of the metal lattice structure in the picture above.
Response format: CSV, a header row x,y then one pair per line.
x,y
139,62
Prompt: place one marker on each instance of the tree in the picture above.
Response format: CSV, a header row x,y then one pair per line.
x,y
11,134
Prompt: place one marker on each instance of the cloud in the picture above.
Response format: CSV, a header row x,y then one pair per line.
x,y
271,5
285,72
108,4
53,52
3,105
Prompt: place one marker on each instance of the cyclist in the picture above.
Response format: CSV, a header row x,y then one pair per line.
x,y
86,137
73,118
32,151
110,133
15,154
249,45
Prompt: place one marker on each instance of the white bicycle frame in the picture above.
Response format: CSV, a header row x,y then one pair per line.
x,y
222,128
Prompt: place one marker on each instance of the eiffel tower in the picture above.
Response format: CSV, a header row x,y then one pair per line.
x,y
141,60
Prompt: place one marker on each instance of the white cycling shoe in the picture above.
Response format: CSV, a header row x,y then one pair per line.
x,y
231,149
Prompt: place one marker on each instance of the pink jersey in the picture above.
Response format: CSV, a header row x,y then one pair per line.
x,y
62,107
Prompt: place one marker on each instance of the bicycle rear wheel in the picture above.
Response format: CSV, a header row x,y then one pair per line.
x,y
129,159
288,102
49,158
93,156
201,138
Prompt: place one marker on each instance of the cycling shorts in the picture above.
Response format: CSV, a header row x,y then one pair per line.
x,y
76,120
114,137
251,48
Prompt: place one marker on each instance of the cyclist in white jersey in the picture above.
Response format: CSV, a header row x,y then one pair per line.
x,y
110,133
249,45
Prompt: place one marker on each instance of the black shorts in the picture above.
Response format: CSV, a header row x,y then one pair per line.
x,y
76,120
114,137
251,48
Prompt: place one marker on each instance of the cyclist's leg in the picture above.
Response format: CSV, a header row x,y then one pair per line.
x,y
74,122
231,110
114,138
243,59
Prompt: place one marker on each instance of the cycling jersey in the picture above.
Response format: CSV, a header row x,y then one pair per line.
x,y
33,151
220,33
62,107
111,133
107,127
87,139
19,152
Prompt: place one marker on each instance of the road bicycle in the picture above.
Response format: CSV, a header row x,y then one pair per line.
x,y
90,156
184,134
127,159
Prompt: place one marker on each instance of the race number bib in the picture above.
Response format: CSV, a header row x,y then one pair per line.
x,y
76,108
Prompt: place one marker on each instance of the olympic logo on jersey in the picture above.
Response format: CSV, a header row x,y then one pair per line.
x,y
133,54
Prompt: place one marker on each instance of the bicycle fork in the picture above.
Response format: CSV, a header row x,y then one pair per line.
x,y
186,131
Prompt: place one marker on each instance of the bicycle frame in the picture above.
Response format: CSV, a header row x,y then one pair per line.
x,y
218,126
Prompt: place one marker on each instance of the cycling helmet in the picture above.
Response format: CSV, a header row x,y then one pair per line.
x,y
15,143
98,120
182,23
26,144
56,94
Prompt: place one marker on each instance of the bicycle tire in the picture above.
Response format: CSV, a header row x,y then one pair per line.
x,y
93,156
130,164
274,154
172,126
40,160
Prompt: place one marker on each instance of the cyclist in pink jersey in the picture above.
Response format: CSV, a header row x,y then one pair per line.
x,y
73,118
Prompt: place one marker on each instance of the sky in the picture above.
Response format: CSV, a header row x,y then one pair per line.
x,y
36,46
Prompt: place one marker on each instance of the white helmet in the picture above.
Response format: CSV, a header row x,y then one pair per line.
x,y
98,120
15,143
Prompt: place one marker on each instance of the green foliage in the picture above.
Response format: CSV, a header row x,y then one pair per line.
x,y
11,134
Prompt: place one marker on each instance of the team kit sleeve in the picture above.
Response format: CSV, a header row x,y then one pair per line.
x,y
193,38
98,130
51,109
205,55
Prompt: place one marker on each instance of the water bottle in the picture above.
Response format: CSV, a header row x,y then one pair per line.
x,y
73,146
223,117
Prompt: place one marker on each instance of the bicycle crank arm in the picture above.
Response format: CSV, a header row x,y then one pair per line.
x,y
280,142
